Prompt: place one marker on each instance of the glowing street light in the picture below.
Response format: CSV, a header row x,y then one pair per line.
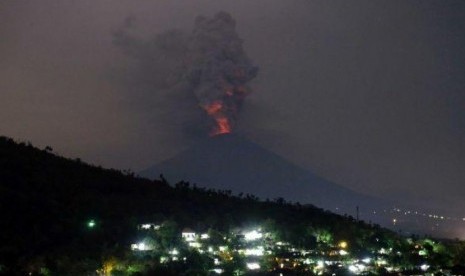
x,y
343,244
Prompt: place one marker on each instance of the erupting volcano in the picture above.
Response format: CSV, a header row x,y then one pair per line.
x,y
220,70
215,110
208,63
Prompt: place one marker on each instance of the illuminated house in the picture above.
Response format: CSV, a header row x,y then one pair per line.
x,y
188,235
148,226
141,246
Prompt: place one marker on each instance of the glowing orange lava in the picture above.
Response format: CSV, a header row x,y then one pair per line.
x,y
222,126
215,110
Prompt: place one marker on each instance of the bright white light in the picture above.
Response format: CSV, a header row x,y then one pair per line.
x,y
174,252
216,261
381,262
223,248
357,268
145,226
218,270
139,246
253,235
253,266
195,244
210,249
188,236
254,251
382,251
342,252
424,267
204,236
320,264
366,260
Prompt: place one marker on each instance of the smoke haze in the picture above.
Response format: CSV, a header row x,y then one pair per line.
x,y
205,69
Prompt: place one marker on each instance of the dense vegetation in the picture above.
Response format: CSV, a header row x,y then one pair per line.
x,y
46,202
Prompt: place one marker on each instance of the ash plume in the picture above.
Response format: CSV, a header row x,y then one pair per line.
x,y
206,69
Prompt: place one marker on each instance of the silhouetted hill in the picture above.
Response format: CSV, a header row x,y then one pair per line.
x,y
46,201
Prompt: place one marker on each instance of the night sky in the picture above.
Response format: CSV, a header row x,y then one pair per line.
x,y
368,94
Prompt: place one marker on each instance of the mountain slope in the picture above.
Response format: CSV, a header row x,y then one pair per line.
x,y
233,163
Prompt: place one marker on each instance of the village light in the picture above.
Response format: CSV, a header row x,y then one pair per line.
x,y
342,252
343,244
91,223
141,246
253,266
424,267
366,260
254,251
357,268
218,270
253,235
188,235
174,252
195,244
146,226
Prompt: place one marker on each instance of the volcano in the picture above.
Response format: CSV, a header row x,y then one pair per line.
x,y
231,162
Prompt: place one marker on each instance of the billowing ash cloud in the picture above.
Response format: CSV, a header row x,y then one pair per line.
x,y
208,63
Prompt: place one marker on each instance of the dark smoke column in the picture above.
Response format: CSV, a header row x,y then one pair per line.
x,y
219,70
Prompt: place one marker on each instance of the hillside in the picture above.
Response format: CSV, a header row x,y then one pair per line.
x,y
47,201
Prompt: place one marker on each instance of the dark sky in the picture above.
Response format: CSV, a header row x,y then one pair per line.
x,y
369,94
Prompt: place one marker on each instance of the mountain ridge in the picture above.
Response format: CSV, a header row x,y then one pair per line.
x,y
234,163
